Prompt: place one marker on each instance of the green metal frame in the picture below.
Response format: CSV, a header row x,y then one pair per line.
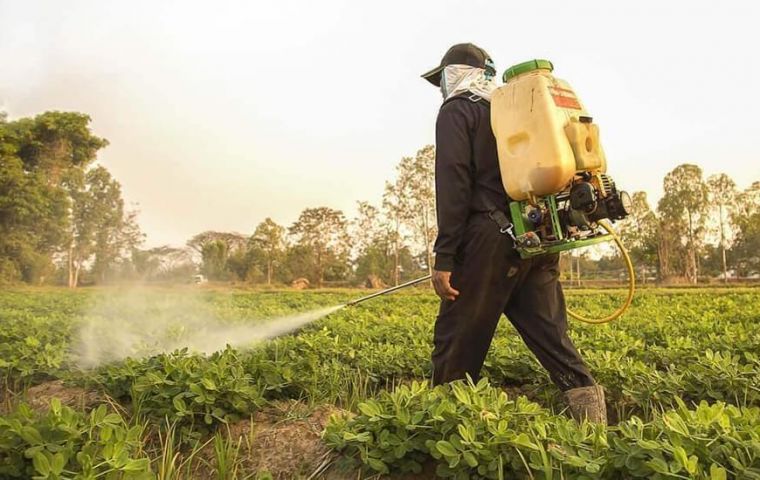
x,y
522,226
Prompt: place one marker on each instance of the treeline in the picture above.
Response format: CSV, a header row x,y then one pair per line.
x,y
701,228
382,245
63,221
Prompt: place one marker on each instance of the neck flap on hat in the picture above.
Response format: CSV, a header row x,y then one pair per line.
x,y
461,78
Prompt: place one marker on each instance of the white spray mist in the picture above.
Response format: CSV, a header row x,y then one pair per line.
x,y
139,324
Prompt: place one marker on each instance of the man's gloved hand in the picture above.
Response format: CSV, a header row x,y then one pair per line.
x,y
442,285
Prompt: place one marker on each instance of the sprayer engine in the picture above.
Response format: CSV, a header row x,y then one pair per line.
x,y
570,218
592,198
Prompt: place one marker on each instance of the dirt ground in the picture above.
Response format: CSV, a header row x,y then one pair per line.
x,y
285,441
38,397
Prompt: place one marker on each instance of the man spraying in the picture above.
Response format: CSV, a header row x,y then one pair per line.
x,y
477,273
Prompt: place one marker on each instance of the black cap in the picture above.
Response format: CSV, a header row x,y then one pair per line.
x,y
461,54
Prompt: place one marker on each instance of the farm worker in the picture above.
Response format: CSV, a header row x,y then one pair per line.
x,y
478,273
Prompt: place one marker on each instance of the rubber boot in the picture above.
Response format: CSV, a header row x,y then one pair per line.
x,y
587,403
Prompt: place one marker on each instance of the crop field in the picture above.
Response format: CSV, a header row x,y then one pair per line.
x,y
347,396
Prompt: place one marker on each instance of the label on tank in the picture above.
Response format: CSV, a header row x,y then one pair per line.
x,y
564,98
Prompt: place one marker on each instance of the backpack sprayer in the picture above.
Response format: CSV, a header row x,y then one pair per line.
x,y
553,169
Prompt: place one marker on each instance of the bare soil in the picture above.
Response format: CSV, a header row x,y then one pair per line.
x,y
39,396
284,440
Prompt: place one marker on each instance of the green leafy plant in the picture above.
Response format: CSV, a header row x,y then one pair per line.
x,y
477,431
62,443
675,348
196,392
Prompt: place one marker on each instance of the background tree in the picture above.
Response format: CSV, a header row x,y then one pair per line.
x,y
41,158
372,255
722,194
380,257
100,228
298,262
237,266
267,246
416,191
214,250
117,231
33,220
146,264
323,233
163,263
214,257
683,208
59,143
392,209
639,233
233,240
746,219
368,225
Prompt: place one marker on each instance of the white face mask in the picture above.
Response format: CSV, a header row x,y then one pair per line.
x,y
456,79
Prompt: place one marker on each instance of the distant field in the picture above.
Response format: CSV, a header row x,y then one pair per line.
x,y
260,411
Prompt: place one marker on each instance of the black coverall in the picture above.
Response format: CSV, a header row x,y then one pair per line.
x,y
490,275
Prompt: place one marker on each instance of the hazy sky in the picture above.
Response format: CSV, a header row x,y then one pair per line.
x,y
220,114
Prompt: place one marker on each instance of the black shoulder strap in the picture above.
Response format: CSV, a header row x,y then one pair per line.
x,y
467,95
498,216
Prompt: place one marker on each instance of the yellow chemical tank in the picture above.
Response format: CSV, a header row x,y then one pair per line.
x,y
543,133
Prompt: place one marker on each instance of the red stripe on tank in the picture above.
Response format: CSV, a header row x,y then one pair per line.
x,y
566,102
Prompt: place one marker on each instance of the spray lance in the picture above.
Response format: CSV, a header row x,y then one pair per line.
x,y
389,290
554,171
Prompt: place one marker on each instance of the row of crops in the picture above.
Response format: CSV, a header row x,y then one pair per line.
x,y
681,371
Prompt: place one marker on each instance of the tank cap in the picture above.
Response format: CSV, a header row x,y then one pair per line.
x,y
524,67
